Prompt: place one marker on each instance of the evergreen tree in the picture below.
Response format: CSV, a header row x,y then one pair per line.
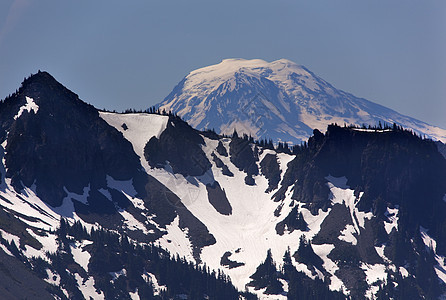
x,y
266,276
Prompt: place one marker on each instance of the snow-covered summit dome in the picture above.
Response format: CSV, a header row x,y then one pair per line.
x,y
281,100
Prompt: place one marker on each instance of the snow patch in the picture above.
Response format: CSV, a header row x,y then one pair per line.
x,y
176,240
304,269
240,233
372,130
403,271
3,247
374,272
157,288
27,203
380,251
347,234
31,252
375,276
132,223
260,293
140,128
283,160
430,243
82,198
81,256
106,193
29,106
115,275
10,237
87,287
134,295
392,217
284,285
124,186
49,241
342,194
323,251
53,278
137,203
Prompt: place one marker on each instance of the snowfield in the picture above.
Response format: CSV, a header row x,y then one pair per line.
x,y
140,128
29,106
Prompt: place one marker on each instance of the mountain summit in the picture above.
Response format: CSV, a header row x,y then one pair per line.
x,y
277,100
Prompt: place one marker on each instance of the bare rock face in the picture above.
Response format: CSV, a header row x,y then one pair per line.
x,y
217,197
179,146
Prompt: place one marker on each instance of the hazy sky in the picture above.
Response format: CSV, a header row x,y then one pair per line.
x,y
121,54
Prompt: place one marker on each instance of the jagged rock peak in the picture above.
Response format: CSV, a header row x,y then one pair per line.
x,y
42,86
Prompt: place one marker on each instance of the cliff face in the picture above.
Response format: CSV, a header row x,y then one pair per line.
x,y
393,175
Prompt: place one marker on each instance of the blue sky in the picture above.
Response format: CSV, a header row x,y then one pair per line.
x,y
122,54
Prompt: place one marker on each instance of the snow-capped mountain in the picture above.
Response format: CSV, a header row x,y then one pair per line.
x,y
281,100
143,206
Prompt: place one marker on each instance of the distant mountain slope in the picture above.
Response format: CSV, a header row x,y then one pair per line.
x,y
280,100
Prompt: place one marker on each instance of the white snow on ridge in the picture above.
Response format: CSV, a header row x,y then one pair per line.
x,y
3,247
380,251
403,271
87,287
53,278
283,160
141,128
30,205
347,235
124,186
157,288
372,130
430,243
49,242
323,251
342,194
134,295
42,215
176,240
81,256
48,217
82,198
29,106
132,223
10,237
392,217
116,275
375,276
